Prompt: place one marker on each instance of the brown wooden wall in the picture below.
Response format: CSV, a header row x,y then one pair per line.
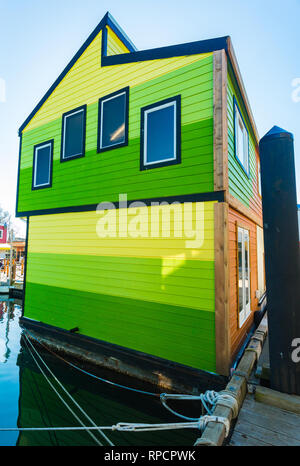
x,y
237,334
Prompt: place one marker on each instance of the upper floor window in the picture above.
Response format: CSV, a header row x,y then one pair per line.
x,y
241,139
73,134
113,120
259,177
160,133
42,165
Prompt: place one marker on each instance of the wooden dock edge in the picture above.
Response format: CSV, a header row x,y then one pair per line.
x,y
279,400
214,433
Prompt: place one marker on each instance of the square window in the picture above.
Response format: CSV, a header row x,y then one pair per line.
x,y
241,139
160,134
73,134
42,165
113,120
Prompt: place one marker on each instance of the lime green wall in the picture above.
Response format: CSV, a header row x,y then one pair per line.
x,y
154,295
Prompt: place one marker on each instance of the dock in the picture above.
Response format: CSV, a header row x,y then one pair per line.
x,y
4,290
260,424
15,291
264,417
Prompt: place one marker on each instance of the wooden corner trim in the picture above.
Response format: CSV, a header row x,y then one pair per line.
x,y
222,323
220,121
236,69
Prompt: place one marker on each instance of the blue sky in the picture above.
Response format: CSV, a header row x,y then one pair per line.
x,y
38,38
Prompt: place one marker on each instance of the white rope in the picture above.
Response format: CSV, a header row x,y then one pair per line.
x,y
131,427
209,401
210,397
63,401
67,393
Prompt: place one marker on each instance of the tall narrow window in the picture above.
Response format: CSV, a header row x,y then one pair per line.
x,y
160,134
42,165
1,234
244,290
258,178
241,139
113,120
73,134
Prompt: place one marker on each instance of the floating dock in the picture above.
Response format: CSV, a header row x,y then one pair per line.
x,y
4,290
263,417
261,424
15,291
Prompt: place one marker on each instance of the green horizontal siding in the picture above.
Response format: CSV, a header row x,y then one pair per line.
x,y
240,185
101,177
178,334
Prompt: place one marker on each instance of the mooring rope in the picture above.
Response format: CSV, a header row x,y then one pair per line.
x,y
130,427
67,393
209,399
62,399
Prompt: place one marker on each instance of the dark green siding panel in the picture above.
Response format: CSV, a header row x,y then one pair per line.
x,y
169,332
101,177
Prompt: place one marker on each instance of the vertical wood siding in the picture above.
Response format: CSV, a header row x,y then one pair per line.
x,y
154,295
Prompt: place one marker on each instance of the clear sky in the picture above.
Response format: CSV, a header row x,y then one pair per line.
x,y
39,37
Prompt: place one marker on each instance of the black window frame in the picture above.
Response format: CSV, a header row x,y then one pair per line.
x,y
125,91
64,116
35,148
177,160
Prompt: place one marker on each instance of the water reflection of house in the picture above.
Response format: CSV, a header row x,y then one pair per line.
x,y
172,125
40,406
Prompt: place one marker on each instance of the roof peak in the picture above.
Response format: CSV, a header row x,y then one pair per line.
x,y
191,48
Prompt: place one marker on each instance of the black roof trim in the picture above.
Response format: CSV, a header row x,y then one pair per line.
x,y
190,48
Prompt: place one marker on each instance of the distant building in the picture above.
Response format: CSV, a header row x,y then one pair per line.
x,y
3,234
4,246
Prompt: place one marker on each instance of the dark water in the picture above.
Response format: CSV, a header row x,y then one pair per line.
x,y
27,399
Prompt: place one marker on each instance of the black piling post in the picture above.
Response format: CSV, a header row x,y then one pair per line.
x,y
282,258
